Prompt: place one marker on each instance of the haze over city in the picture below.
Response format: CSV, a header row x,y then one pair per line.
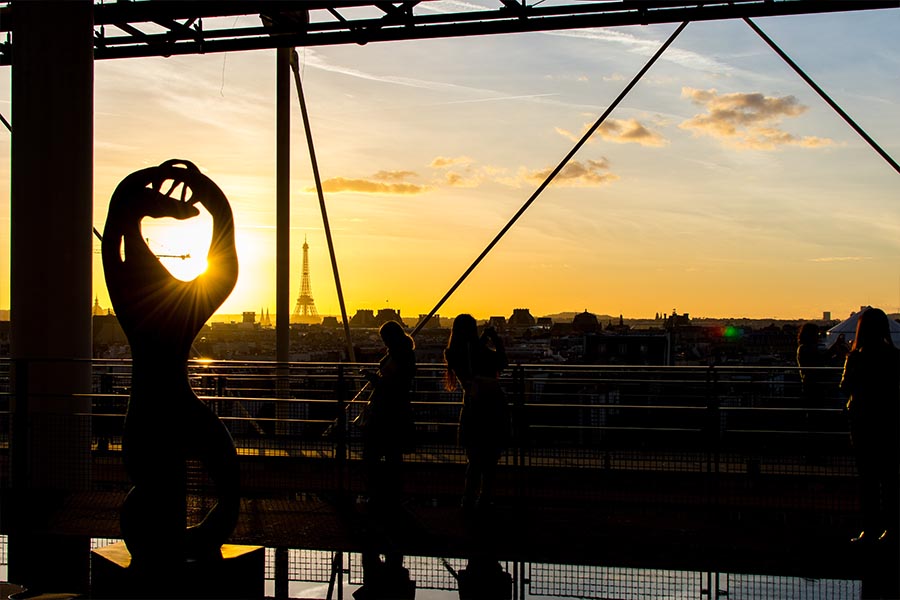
x,y
722,185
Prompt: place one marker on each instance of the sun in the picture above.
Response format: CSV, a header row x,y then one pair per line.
x,y
181,246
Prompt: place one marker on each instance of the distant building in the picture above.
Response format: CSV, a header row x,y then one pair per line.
x,y
388,314
109,340
675,320
619,327
545,322
498,323
626,349
585,323
248,317
364,318
98,310
433,323
521,317
330,323
4,337
826,315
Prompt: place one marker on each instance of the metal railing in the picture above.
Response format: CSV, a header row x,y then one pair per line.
x,y
694,435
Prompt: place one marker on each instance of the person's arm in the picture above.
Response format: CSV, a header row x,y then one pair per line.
x,y
499,348
848,378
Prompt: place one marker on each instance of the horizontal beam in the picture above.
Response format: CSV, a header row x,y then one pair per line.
x,y
152,28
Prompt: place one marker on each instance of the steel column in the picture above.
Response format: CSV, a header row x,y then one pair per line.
x,y
50,280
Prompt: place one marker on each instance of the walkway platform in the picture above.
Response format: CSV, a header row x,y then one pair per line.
x,y
759,542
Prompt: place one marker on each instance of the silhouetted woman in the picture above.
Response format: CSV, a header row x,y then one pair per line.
x,y
484,419
388,422
809,358
810,361
872,380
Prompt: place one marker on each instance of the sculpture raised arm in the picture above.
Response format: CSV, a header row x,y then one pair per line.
x,y
149,300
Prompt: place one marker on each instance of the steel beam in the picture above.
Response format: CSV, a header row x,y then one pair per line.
x,y
361,22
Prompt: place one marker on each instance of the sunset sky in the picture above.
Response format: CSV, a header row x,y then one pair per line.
x,y
721,186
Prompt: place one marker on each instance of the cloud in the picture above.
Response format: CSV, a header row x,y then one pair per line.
x,y
463,180
442,162
629,131
575,173
336,185
831,259
463,175
393,175
747,120
647,47
462,172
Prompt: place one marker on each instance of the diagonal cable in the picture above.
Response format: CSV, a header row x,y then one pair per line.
x,y
822,93
552,175
295,67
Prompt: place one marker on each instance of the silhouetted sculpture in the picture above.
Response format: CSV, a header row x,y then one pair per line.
x,y
166,424
872,380
484,422
387,421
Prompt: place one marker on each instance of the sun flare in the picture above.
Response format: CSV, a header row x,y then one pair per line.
x,y
181,246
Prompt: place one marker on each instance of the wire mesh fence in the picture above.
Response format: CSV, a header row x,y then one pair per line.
x,y
673,434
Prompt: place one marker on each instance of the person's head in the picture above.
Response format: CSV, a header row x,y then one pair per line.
x,y
463,331
463,338
872,329
395,338
809,334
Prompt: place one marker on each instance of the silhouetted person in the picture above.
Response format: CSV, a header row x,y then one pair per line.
x,y
810,359
166,424
484,579
385,579
872,380
387,421
474,363
839,350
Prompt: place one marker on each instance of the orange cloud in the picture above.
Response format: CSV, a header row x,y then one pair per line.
x,y
454,179
832,259
393,175
442,162
336,185
747,120
576,173
629,131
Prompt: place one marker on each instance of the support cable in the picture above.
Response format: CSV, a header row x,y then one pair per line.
x,y
822,93
5,122
295,67
552,174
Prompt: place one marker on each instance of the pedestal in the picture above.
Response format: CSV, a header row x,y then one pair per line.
x,y
239,574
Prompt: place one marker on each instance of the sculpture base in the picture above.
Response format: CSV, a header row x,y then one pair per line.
x,y
239,574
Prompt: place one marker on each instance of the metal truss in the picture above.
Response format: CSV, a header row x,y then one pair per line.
x,y
125,29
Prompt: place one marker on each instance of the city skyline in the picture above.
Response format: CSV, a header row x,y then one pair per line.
x,y
721,186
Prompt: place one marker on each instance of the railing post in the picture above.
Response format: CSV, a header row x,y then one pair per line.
x,y
518,424
713,421
282,395
282,582
102,428
341,430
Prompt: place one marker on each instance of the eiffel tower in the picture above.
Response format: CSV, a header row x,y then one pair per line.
x,y
305,310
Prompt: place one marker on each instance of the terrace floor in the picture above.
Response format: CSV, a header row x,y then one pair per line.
x,y
619,531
